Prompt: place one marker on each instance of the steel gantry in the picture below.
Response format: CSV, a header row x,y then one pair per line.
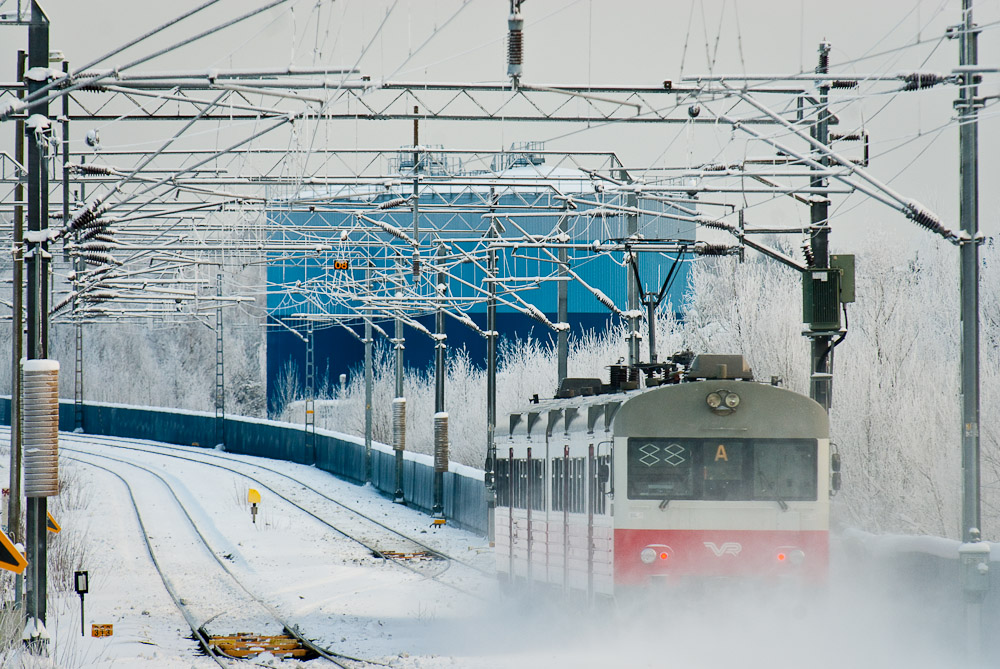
x,y
143,232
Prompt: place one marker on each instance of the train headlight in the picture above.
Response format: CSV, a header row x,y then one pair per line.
x,y
655,553
722,401
795,556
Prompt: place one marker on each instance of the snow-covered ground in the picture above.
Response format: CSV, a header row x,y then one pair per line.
x,y
363,606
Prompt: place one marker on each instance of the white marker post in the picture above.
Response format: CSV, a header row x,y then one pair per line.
x,y
80,582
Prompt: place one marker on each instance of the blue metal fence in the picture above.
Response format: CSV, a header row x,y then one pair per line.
x,y
339,454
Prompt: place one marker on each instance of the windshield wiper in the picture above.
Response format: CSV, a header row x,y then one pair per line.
x,y
777,496
664,503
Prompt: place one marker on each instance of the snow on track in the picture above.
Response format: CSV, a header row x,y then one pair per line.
x,y
334,589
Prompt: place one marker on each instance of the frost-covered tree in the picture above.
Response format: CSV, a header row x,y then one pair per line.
x,y
989,374
162,364
753,308
896,404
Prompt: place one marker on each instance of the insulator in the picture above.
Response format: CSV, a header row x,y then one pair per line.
x,y
824,58
96,274
604,299
63,302
90,168
98,234
98,258
100,296
40,427
391,229
920,215
536,313
917,80
842,83
851,137
97,224
86,217
416,264
89,86
807,253
441,442
95,246
399,424
515,45
715,250
713,223
395,202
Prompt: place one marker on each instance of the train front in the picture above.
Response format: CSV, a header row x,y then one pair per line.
x,y
720,478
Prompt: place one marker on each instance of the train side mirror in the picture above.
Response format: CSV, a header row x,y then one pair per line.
x,y
835,477
604,473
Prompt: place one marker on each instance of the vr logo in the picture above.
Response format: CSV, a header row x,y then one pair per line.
x,y
730,547
341,264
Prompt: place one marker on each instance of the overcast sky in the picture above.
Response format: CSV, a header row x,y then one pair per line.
x,y
914,142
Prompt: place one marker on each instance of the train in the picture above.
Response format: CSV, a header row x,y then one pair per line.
x,y
703,475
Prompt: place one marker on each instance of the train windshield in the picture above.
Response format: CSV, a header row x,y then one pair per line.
x,y
722,469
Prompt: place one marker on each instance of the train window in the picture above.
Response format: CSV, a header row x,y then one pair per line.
x,y
577,467
598,500
503,482
784,470
723,470
567,484
660,469
558,484
746,469
537,487
520,475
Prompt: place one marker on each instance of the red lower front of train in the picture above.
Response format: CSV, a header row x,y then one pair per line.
x,y
643,557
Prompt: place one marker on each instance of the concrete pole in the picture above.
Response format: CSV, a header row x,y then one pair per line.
x,y
491,397
632,227
968,115
562,307
440,445
400,496
37,266
17,350
441,290
368,384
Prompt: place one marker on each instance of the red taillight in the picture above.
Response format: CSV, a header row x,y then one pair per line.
x,y
664,555
781,557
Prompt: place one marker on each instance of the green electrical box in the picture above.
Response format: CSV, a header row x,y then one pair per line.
x,y
845,263
821,299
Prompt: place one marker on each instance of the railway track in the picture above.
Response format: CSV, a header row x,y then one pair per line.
x,y
376,536
230,602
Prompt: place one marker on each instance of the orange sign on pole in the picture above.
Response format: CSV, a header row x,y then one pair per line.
x,y
11,558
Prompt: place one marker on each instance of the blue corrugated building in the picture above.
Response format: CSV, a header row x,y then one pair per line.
x,y
361,231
